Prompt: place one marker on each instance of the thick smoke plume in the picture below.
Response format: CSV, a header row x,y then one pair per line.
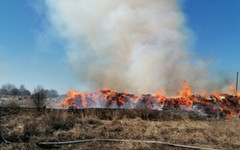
x,y
134,45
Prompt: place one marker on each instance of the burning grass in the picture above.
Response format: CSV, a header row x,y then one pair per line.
x,y
26,127
217,105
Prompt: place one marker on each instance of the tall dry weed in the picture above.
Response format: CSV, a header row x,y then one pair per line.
x,y
59,120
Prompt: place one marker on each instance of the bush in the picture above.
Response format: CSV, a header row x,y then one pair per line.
x,y
39,97
30,129
59,120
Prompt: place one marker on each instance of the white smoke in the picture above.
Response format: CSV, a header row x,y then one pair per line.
x,y
134,45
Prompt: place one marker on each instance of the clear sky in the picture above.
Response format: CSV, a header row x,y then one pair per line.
x,y
31,55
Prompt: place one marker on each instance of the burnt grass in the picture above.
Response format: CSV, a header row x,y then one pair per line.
x,y
24,127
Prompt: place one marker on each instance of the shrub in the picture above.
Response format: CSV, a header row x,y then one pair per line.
x,y
39,97
29,130
59,120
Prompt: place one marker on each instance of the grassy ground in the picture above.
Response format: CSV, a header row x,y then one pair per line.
x,y
24,127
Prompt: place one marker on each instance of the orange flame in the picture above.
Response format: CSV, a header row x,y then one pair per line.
x,y
227,105
186,91
234,91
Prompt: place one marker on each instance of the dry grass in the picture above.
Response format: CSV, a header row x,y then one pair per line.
x,y
27,126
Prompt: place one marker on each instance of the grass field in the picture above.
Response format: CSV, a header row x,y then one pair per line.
x,y
24,127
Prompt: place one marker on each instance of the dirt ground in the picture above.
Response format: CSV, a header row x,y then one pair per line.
x,y
25,127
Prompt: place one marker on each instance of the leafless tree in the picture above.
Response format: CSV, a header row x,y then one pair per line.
x,y
51,93
14,92
39,97
23,91
7,88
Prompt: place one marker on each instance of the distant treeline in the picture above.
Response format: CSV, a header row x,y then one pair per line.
x,y
12,90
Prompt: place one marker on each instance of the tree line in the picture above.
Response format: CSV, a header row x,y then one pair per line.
x,y
12,90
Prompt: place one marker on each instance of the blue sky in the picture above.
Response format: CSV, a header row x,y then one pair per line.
x,y
216,25
31,55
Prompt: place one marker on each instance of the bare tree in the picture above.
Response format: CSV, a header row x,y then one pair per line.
x,y
51,93
14,92
39,97
3,92
7,88
23,91
22,88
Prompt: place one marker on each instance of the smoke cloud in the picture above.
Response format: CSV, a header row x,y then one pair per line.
x,y
134,45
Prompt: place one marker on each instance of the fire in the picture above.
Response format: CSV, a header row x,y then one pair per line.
x,y
234,91
160,96
187,90
214,104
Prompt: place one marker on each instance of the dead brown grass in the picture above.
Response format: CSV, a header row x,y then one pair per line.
x,y
27,126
